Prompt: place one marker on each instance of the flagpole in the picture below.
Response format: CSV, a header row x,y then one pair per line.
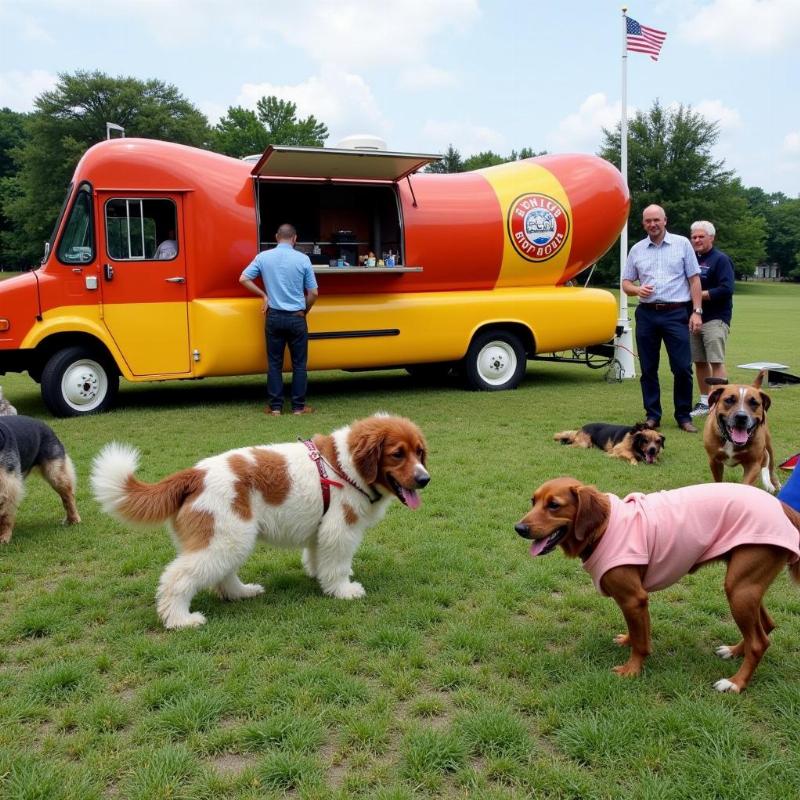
x,y
623,341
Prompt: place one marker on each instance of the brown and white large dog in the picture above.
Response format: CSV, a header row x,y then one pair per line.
x,y
736,433
216,509
646,542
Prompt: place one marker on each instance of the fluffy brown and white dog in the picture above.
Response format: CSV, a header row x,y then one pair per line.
x,y
631,443
216,510
736,433
26,444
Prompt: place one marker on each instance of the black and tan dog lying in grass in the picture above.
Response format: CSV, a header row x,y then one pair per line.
x,y
633,443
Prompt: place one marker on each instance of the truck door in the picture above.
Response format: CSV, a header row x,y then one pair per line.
x,y
142,243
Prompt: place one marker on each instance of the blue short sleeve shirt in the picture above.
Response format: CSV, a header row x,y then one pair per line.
x,y
286,275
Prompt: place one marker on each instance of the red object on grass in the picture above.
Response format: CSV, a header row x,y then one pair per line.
x,y
790,462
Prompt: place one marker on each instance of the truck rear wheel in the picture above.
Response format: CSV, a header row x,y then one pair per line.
x,y
495,361
78,381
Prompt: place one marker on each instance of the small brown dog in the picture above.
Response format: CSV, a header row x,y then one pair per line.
x,y
631,443
736,433
644,543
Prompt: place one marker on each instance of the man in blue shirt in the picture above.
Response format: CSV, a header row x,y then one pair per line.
x,y
717,281
291,291
666,269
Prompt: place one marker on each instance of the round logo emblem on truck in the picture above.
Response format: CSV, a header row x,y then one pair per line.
x,y
538,226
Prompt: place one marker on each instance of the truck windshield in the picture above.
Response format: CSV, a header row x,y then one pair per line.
x,y
49,243
77,241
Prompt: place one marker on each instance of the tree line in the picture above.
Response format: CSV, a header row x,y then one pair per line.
x,y
670,162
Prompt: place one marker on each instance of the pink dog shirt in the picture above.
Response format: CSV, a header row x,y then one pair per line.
x,y
673,531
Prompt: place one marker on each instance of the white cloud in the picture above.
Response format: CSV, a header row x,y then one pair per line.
x,y
355,33
716,111
467,138
583,130
749,26
19,89
342,100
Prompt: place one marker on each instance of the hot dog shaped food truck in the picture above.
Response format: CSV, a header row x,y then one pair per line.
x,y
141,276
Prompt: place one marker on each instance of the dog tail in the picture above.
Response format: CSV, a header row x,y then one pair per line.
x,y
123,496
794,518
759,378
565,437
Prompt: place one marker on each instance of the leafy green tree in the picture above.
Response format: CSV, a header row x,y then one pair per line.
x,y
450,162
244,132
670,163
12,135
785,237
453,162
487,158
782,217
67,121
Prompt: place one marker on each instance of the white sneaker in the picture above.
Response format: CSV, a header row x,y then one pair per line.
x,y
700,410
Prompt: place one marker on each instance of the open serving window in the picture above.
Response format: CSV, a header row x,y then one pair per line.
x,y
344,203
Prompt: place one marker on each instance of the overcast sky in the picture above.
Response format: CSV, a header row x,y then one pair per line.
x,y
423,74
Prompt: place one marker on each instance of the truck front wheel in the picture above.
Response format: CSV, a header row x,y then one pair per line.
x,y
495,361
78,381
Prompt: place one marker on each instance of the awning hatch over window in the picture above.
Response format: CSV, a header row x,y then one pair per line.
x,y
328,163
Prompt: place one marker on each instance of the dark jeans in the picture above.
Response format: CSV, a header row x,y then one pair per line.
x,y
670,326
285,328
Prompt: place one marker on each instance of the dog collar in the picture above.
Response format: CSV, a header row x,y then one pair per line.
x,y
325,482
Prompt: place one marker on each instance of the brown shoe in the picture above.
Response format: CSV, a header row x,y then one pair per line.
x,y
303,410
275,412
652,423
688,427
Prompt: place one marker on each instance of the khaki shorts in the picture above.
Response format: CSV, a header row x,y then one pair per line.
x,y
709,345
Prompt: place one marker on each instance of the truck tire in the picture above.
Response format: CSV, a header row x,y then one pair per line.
x,y
78,381
495,361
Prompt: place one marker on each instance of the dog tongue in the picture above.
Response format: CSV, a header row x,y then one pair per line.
x,y
412,498
739,436
538,545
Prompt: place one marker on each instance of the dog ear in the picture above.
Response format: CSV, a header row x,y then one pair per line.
x,y
663,442
591,512
765,399
367,455
714,396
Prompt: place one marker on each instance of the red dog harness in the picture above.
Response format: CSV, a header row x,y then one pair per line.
x,y
324,480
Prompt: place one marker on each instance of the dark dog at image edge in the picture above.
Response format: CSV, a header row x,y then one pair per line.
x,y
736,433
26,444
647,542
320,495
633,443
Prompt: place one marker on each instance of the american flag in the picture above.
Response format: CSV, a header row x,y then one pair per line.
x,y
642,39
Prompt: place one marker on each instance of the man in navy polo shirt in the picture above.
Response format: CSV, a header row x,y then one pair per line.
x,y
717,281
665,267
291,291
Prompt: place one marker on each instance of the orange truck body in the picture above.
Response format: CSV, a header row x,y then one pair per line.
x,y
482,259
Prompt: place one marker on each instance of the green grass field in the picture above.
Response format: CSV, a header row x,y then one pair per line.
x,y
469,670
